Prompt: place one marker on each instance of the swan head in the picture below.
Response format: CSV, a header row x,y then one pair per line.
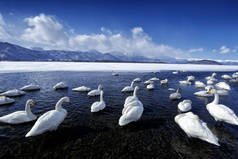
x,y
211,90
100,87
66,99
30,101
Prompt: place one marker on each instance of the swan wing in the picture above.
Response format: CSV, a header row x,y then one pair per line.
x,y
15,118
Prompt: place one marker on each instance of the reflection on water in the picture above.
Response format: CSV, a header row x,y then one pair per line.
x,y
87,135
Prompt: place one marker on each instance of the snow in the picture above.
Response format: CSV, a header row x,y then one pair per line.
x,y
6,67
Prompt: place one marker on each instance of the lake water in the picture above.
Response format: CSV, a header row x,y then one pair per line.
x,y
87,135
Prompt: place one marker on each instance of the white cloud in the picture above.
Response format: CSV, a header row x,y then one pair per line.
x,y
45,30
223,49
4,35
196,50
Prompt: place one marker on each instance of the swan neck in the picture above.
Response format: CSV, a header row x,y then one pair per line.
x,y
28,108
101,97
59,105
134,93
216,99
132,83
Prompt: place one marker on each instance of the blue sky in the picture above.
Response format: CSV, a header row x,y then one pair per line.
x,y
183,29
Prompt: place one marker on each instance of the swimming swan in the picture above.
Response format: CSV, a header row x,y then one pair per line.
x,y
190,78
95,92
163,82
137,80
60,85
6,100
154,79
194,127
30,87
223,85
150,86
185,105
97,106
148,82
199,84
20,117
221,112
226,77
13,93
82,89
185,82
176,95
128,88
50,120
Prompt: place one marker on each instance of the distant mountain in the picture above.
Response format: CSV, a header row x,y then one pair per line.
x,y
207,62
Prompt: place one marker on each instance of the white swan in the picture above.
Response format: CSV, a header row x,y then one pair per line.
x,y
212,77
204,93
226,77
154,79
82,89
185,105
150,86
50,120
163,82
185,82
13,93
30,87
223,85
194,127
95,92
128,88
199,84
60,85
132,98
235,75
210,82
175,72
148,82
6,100
171,89
20,117
190,78
97,106
132,111
114,73
137,80
176,95
221,112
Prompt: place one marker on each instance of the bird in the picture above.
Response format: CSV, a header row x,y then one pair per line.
x,y
30,87
150,86
148,82
20,117
133,97
199,84
176,95
50,120
223,85
97,106
194,127
13,93
60,85
82,89
185,105
163,82
128,88
226,77
185,82
175,72
221,112
154,79
6,100
137,80
95,92
190,78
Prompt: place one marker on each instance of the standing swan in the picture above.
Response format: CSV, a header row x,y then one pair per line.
x,y
97,106
50,120
128,88
19,117
221,112
95,92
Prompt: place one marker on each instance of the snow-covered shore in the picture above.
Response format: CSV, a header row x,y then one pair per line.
x,y
98,66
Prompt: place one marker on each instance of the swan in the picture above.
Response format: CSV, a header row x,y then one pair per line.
x,y
171,89
30,87
128,88
199,84
210,82
148,82
190,78
163,82
176,95
204,93
185,105
132,98
235,75
212,77
60,85
6,100
185,82
154,79
82,89
137,80
150,86
132,111
234,80
194,127
226,77
175,72
97,106
20,117
114,73
95,92
223,85
50,120
221,112
13,93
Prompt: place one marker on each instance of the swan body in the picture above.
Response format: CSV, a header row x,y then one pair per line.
x,y
176,95
185,82
30,87
115,74
137,80
148,82
223,85
128,88
60,85
20,117
190,78
6,100
199,84
235,75
82,89
185,105
175,72
150,86
165,81
133,97
95,92
226,77
50,120
154,79
97,106
13,93
202,94
132,111
194,127
210,82
221,112
171,89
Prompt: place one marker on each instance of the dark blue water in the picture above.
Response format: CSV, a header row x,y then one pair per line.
x,y
87,135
